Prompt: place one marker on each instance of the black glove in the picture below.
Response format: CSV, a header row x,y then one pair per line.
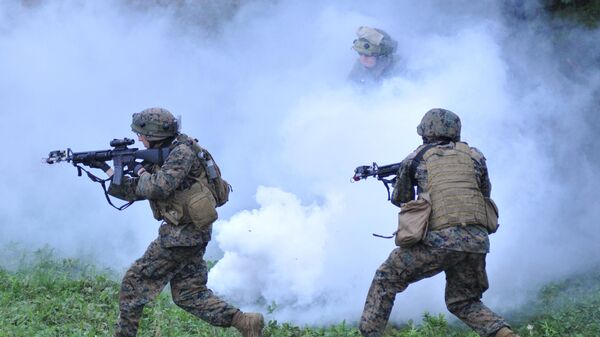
x,y
98,164
137,168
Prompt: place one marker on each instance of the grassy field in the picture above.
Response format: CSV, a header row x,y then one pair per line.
x,y
46,296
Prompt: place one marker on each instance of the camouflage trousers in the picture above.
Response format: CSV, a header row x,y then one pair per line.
x,y
186,271
466,280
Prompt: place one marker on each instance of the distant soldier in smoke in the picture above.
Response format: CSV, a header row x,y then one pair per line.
x,y
453,178
180,195
376,58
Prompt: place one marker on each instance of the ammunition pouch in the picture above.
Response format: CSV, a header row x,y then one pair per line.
x,y
491,211
413,220
193,205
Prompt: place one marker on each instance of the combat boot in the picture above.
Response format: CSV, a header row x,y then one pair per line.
x,y
506,332
249,325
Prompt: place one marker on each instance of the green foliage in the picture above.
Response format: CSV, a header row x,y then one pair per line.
x,y
46,296
56,297
585,12
567,308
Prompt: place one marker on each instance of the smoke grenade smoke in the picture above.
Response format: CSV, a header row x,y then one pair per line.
x,y
263,86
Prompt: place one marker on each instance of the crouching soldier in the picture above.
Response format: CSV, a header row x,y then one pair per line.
x,y
452,177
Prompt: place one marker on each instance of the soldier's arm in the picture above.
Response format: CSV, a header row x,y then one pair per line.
x,y
403,189
162,183
482,172
126,190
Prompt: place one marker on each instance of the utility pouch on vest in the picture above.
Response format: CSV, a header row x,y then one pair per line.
x,y
201,209
194,205
413,220
491,211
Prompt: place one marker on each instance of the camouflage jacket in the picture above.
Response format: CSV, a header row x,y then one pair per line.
x,y
160,185
472,238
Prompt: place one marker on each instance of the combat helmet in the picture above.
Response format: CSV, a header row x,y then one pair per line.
x,y
440,124
155,124
373,42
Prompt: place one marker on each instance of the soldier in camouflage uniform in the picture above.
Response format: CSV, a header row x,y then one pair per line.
x,y
178,195
455,177
376,58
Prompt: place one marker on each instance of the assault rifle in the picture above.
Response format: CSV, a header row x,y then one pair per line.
x,y
379,172
123,157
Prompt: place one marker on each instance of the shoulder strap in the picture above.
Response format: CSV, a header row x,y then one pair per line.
x,y
415,162
417,159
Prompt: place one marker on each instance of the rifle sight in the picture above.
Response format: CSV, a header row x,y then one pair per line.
x,y
121,142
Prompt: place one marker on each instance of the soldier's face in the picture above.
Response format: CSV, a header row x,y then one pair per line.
x,y
144,141
367,61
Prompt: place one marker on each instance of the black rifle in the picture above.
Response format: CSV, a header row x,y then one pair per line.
x,y
379,172
123,157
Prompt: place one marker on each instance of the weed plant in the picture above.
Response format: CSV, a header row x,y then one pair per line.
x,y
48,297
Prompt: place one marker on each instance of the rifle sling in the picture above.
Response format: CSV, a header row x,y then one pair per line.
x,y
102,182
385,236
415,163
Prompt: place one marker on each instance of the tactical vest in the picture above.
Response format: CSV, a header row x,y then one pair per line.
x,y
193,201
452,185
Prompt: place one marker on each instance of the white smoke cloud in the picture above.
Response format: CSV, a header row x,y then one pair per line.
x,y
299,238
266,91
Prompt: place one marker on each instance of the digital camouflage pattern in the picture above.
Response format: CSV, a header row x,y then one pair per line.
x,y
177,172
466,280
176,256
459,251
155,124
186,271
440,123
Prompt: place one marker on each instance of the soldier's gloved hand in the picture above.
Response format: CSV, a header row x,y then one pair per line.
x,y
99,165
139,169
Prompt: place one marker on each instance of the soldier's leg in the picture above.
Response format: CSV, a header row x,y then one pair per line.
x,y
403,267
144,280
189,291
465,283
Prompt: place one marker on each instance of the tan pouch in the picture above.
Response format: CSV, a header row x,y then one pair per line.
x,y
491,211
413,220
194,205
200,209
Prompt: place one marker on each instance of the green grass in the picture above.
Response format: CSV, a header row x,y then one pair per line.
x,y
46,296
567,308
583,12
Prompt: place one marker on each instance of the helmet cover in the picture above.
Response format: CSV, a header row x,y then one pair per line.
x,y
373,42
155,124
440,123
